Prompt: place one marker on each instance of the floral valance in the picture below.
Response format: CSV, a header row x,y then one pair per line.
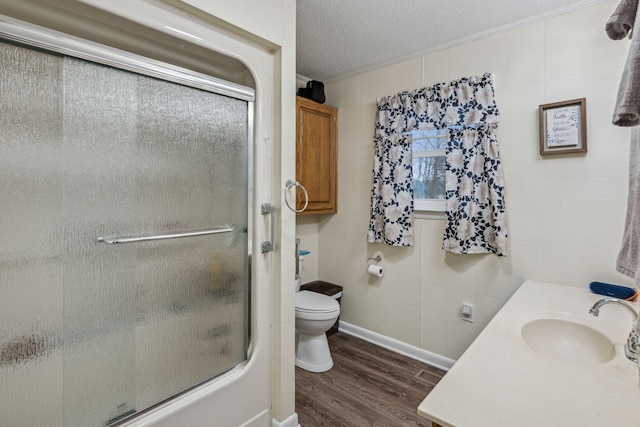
x,y
458,103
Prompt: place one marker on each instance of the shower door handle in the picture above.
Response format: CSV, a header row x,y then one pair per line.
x,y
267,209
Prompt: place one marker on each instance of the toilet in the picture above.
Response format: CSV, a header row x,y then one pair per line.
x,y
315,314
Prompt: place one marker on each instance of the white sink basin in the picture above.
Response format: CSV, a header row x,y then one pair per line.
x,y
568,341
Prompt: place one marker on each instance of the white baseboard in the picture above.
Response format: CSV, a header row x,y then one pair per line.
x,y
291,421
400,347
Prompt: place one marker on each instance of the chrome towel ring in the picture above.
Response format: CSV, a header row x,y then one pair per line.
x,y
293,184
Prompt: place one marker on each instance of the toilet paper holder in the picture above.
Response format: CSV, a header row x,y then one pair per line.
x,y
377,258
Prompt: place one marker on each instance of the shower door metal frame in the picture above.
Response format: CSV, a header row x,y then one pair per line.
x,y
66,44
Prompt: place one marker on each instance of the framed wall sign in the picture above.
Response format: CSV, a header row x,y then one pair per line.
x,y
563,127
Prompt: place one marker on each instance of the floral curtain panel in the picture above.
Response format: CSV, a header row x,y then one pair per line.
x,y
464,104
475,210
392,195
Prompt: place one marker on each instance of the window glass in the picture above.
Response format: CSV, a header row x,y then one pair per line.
x,y
429,169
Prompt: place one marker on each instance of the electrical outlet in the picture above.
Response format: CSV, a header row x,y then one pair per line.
x,y
467,312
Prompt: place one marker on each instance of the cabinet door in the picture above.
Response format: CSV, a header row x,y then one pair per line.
x,y
316,160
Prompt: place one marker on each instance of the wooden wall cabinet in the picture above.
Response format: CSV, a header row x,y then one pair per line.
x,y
316,156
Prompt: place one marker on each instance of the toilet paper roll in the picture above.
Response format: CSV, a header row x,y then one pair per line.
x,y
375,270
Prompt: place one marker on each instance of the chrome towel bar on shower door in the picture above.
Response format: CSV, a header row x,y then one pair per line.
x,y
116,240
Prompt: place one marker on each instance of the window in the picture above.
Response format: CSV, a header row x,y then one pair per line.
x,y
429,169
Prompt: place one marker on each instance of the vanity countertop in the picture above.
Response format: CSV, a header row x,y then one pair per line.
x,y
501,381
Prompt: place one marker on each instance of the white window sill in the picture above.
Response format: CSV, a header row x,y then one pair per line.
x,y
428,215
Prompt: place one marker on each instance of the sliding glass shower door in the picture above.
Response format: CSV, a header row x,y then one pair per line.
x,y
124,275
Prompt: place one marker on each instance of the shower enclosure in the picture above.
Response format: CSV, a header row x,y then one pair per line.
x,y
124,231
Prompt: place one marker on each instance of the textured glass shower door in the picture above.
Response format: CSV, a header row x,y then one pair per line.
x,y
91,332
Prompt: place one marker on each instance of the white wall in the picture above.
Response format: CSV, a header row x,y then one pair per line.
x,y
566,213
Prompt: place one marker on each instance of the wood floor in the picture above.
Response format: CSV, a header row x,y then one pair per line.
x,y
367,386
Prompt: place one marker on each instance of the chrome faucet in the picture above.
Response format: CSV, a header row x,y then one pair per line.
x,y
595,310
631,347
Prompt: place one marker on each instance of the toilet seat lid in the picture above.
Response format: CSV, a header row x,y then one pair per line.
x,y
313,301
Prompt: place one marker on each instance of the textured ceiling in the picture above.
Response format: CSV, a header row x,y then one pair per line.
x,y
336,38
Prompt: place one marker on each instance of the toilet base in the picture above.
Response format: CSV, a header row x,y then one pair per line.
x,y
312,352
